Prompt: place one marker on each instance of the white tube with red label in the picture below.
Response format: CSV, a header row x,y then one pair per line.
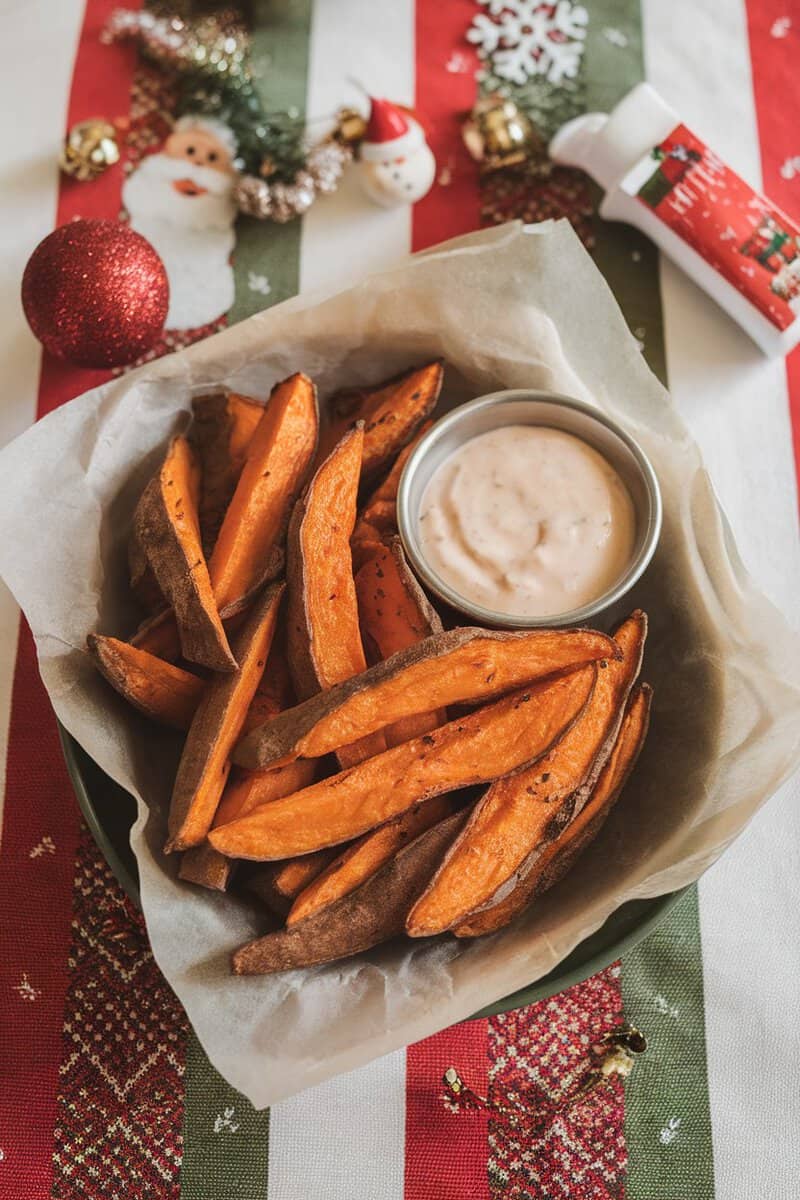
x,y
659,176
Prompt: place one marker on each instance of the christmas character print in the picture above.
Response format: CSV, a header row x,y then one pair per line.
x,y
181,198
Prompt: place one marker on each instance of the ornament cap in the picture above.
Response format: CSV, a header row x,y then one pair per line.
x,y
391,132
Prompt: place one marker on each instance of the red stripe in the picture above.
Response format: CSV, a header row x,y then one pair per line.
x,y
776,88
446,1152
445,92
36,893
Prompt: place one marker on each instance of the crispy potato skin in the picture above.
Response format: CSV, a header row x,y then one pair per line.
x,y
160,690
559,856
364,918
466,665
518,815
205,761
485,744
167,526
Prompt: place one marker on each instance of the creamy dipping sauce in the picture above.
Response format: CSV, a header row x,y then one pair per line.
x,y
528,521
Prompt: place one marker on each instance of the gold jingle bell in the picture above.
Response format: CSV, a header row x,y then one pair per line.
x,y
497,134
89,149
351,126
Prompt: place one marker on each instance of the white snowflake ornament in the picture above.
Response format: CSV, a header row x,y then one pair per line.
x,y
524,38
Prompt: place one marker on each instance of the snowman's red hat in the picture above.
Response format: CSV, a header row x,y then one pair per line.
x,y
391,132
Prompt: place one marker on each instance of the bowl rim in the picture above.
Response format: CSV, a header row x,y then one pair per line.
x,y
577,616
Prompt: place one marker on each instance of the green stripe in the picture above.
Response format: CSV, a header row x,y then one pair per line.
x,y
218,1160
667,1117
662,980
225,1141
628,260
281,34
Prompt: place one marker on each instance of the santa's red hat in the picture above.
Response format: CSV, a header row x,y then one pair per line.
x,y
391,132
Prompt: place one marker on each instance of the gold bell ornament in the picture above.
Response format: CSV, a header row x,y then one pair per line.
x,y
89,149
498,134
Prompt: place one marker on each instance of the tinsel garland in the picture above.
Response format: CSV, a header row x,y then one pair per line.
x,y
280,178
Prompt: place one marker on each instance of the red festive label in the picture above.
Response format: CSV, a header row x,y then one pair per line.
x,y
739,233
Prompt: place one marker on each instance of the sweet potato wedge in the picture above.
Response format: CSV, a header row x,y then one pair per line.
x,y
249,548
324,638
559,856
166,524
371,914
392,413
358,862
492,741
377,520
516,818
158,635
221,432
466,665
395,613
205,762
203,864
278,884
160,690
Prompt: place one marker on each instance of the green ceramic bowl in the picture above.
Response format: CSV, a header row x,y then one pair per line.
x,y
110,812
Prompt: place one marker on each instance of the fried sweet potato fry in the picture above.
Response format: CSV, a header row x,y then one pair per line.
x,y
517,817
221,432
467,665
392,413
160,690
278,884
249,550
158,635
205,762
166,525
395,613
492,741
377,520
371,914
358,862
324,638
559,856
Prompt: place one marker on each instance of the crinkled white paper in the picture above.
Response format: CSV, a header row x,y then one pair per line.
x,y
505,308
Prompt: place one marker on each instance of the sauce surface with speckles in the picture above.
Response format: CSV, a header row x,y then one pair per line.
x,y
527,521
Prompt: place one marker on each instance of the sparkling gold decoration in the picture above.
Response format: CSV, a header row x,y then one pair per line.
x,y
614,1054
498,134
89,149
216,43
351,126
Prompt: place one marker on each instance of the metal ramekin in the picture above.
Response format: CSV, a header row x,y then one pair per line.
x,y
530,407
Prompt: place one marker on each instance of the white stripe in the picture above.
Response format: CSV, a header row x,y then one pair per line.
x,y
735,402
37,75
344,235
343,1140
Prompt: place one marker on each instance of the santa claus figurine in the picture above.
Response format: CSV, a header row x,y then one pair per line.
x,y
181,200
395,164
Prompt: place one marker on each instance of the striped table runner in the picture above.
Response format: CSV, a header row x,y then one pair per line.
x,y
105,1090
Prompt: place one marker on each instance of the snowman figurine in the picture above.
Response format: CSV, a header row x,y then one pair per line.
x,y
396,165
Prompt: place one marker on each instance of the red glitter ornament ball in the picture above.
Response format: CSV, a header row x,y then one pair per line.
x,y
95,293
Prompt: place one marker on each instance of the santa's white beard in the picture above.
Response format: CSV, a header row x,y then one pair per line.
x,y
193,235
